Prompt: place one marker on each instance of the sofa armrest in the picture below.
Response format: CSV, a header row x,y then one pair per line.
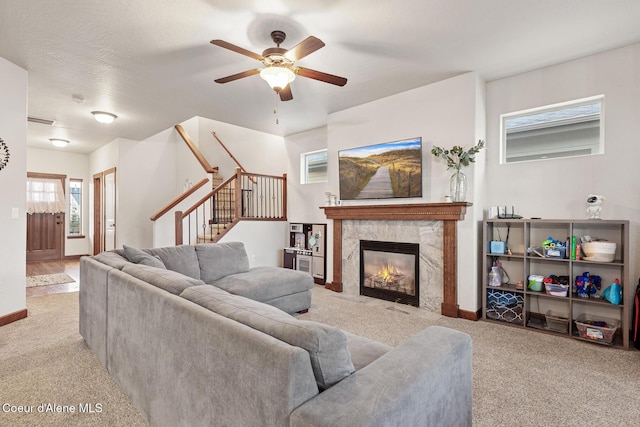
x,y
425,381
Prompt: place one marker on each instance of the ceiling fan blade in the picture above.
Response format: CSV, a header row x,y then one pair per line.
x,y
238,76
319,75
237,49
304,48
285,94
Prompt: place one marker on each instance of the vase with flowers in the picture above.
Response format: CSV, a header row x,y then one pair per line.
x,y
456,158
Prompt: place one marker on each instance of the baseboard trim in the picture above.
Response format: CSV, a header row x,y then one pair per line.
x,y
470,315
12,317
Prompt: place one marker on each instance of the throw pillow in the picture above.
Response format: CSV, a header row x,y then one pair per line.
x,y
326,345
138,256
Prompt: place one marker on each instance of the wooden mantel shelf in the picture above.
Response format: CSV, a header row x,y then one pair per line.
x,y
410,212
448,213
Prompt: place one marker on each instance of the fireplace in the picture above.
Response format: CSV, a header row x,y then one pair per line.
x,y
390,271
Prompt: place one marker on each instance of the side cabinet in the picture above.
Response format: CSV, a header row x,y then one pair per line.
x,y
517,248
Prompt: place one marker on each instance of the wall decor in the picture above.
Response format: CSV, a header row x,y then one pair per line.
x,y
4,154
381,171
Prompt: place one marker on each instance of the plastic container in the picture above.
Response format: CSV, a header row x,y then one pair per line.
x,y
599,251
589,328
556,322
535,282
555,252
557,290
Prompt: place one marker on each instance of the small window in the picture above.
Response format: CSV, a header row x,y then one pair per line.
x,y
75,207
568,129
314,167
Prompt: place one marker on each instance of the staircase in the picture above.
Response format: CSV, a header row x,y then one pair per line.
x,y
243,196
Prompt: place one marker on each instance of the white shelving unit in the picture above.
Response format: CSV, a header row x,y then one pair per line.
x,y
519,265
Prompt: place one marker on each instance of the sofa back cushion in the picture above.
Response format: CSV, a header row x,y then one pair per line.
x,y
218,260
182,259
112,259
169,280
138,256
326,345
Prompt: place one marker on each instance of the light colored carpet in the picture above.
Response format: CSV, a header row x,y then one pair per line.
x,y
521,378
48,279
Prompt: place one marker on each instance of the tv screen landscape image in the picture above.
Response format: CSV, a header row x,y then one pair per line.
x,y
381,171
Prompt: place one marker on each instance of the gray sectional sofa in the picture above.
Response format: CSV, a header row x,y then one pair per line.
x,y
195,337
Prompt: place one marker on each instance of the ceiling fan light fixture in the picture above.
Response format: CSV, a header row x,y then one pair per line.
x,y
57,142
104,117
277,77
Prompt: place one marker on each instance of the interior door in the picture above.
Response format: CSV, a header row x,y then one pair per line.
x,y
104,211
45,231
109,210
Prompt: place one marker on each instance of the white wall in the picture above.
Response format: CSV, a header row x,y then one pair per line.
x,y
146,182
13,131
558,188
444,114
73,165
257,152
305,199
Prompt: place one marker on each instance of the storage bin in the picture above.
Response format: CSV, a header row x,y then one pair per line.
x,y
557,290
535,282
599,251
504,306
557,323
589,327
555,252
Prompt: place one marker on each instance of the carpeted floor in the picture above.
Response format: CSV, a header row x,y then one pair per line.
x,y
521,378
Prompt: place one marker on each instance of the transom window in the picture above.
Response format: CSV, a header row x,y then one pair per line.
x,y
568,129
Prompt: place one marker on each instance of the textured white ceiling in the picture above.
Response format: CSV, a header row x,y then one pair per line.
x,y
151,63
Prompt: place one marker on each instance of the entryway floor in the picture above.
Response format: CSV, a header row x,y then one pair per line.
x,y
70,267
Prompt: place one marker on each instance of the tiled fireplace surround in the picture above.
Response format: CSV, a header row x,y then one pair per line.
x,y
431,225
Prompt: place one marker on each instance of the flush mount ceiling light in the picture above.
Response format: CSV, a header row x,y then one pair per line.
x,y
59,142
104,117
277,77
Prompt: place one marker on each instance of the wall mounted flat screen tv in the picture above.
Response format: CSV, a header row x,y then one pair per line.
x,y
382,171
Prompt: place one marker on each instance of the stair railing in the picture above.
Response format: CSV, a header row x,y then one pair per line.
x,y
243,196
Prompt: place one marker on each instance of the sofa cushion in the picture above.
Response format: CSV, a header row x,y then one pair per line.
x,y
327,346
112,259
138,256
265,283
168,280
218,260
182,259
363,350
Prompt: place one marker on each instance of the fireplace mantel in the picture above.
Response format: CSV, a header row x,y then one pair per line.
x,y
448,213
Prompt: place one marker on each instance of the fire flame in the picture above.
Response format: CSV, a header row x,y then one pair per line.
x,y
388,272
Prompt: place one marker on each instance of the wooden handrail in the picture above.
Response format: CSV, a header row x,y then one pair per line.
x,y
196,152
205,198
228,152
173,203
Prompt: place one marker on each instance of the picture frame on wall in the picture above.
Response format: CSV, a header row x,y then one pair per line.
x,y
381,171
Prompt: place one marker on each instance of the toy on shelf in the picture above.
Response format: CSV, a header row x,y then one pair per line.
x,y
588,285
613,292
594,205
554,248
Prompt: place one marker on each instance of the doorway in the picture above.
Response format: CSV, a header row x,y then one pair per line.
x,y
45,225
104,211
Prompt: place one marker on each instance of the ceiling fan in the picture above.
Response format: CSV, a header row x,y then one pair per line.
x,y
279,64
